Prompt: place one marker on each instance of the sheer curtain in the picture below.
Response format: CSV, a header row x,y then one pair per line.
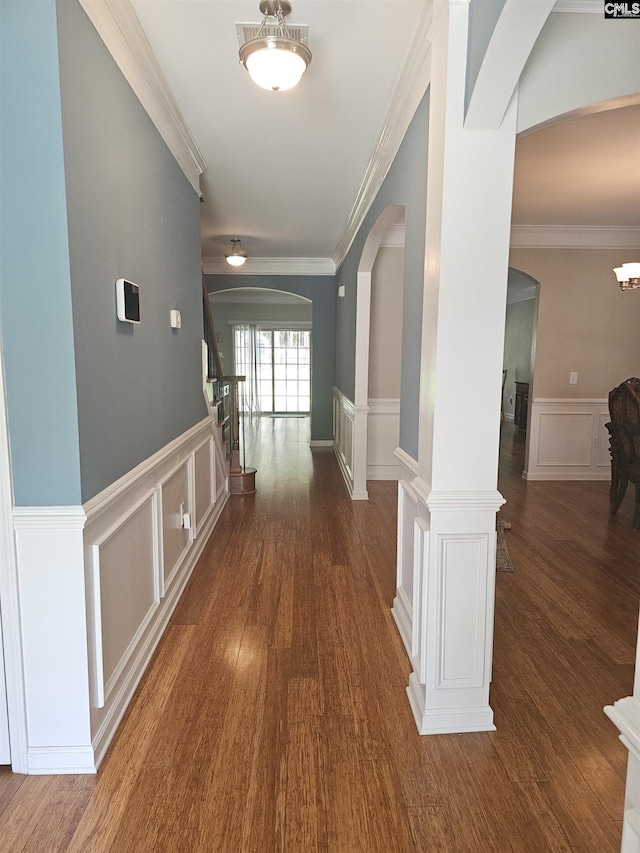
x,y
245,354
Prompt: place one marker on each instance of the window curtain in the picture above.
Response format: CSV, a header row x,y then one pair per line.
x,y
245,355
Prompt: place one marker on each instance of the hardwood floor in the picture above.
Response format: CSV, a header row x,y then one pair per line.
x,y
274,715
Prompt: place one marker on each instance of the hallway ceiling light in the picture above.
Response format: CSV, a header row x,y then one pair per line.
x,y
273,58
238,256
628,276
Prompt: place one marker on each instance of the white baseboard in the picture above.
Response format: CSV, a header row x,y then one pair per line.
x,y
566,476
50,761
318,443
401,612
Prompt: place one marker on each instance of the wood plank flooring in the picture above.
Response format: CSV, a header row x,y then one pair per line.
x,y
274,715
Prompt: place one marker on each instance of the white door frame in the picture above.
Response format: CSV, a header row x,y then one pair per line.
x,y
9,602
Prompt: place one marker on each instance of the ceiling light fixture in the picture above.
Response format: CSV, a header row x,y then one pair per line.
x,y
238,256
628,276
273,58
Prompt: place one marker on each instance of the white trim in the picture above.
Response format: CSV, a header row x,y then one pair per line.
x,y
581,7
573,401
394,238
440,721
49,517
271,266
465,501
101,689
409,91
516,30
384,406
574,237
10,603
407,461
54,760
321,443
119,28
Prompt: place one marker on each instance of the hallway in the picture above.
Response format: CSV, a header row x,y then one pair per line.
x,y
274,715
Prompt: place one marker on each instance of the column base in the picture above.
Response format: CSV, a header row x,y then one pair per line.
x,y
440,721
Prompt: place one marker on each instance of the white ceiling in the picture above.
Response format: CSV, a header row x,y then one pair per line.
x,y
284,169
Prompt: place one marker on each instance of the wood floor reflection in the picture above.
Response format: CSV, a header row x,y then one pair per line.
x,y
274,715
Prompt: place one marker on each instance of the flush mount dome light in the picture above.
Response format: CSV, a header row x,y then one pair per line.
x,y
238,256
273,58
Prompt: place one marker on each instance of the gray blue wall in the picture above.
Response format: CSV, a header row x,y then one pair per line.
x,y
35,288
405,184
90,193
133,214
320,289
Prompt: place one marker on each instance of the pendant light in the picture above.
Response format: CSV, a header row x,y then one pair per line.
x,y
238,256
274,59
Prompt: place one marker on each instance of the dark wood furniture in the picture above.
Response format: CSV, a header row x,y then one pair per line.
x,y
624,444
522,405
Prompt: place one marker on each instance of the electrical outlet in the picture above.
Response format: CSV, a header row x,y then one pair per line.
x,y
573,378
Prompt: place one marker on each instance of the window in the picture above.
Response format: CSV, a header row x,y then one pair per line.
x,y
283,367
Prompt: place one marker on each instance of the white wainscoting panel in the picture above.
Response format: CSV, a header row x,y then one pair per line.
x,y
123,601
205,482
403,604
462,565
139,556
175,501
383,425
568,440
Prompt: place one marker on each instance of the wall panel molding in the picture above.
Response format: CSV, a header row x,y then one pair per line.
x,y
383,433
139,556
568,440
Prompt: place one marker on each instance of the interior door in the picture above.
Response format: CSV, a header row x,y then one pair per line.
x,y
5,751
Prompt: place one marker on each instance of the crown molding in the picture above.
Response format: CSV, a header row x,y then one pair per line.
x,y
584,7
271,266
119,28
394,238
409,91
574,237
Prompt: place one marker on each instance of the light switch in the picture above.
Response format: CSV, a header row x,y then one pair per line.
x,y
573,379
176,318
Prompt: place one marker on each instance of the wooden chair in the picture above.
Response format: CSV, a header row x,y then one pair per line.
x,y
624,432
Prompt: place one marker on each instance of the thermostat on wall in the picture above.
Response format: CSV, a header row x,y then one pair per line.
x,y
127,301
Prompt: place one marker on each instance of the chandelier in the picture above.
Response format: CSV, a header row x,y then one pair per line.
x,y
273,58
628,276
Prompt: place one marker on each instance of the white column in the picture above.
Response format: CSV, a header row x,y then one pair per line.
x,y
467,242
625,713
